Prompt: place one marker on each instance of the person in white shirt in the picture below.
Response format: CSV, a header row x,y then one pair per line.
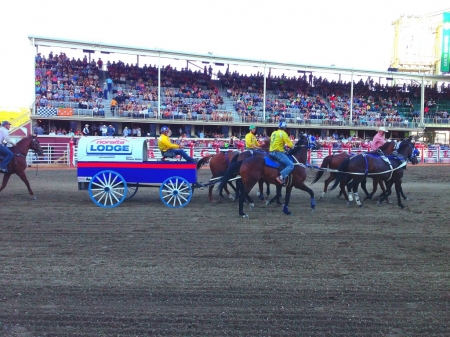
x,y
4,139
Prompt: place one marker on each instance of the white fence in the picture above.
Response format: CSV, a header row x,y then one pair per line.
x,y
55,153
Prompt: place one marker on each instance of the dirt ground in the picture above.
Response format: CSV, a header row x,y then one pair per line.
x,y
70,268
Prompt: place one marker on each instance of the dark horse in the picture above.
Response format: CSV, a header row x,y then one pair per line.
x,y
390,171
19,163
254,169
331,163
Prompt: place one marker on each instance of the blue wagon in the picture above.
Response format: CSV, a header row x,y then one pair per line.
x,y
113,169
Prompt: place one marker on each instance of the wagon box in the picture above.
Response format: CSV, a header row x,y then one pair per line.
x,y
112,170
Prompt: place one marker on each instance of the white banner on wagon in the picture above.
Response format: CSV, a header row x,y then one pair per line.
x,y
114,149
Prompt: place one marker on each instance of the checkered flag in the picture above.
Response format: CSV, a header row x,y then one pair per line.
x,y
47,112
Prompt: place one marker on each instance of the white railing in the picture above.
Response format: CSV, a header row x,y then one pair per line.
x,y
53,154
60,154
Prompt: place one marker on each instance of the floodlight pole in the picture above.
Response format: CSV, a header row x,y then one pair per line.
x,y
350,122
159,86
264,96
33,107
422,101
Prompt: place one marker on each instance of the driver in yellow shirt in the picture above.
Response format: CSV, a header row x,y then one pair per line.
x,y
165,145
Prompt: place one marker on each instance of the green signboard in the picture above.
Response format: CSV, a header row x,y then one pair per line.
x,y
445,57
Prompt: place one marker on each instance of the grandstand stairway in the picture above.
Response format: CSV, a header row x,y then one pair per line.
x,y
228,104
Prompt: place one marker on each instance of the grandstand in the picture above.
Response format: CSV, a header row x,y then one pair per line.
x,y
70,93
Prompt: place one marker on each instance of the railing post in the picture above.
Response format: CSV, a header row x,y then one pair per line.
x,y
191,150
71,153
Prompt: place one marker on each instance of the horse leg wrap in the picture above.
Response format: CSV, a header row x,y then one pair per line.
x,y
286,210
350,196
358,202
313,203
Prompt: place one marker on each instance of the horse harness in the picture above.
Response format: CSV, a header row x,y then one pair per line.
x,y
396,155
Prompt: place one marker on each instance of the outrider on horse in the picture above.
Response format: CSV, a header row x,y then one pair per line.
x,y
19,163
254,169
389,169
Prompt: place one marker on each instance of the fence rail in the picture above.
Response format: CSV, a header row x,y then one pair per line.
x,y
65,154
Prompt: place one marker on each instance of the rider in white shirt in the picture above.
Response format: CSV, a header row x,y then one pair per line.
x,y
4,138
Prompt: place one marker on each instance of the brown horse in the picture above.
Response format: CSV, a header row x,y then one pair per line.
x,y
262,152
19,163
331,163
218,165
389,170
254,169
221,162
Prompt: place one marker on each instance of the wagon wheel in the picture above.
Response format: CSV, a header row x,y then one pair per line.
x,y
131,190
107,189
175,192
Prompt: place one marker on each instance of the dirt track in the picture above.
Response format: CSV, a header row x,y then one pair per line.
x,y
70,268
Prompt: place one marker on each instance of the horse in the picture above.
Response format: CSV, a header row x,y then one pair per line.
x,y
254,169
389,170
227,166
18,164
332,162
263,151
218,165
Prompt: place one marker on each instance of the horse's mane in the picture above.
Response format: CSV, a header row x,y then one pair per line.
x,y
299,145
404,143
385,146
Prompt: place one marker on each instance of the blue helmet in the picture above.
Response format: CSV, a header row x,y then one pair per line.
x,y
282,125
164,129
5,123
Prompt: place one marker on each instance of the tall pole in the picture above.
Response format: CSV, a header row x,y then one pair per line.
x,y
264,96
422,102
159,86
351,101
33,88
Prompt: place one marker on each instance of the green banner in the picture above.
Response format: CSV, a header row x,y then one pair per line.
x,y
445,58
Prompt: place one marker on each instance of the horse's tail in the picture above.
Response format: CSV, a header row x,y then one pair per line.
x,y
342,171
232,171
325,164
203,161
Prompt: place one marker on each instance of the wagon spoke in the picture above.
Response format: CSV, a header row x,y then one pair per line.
x,y
115,194
97,184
